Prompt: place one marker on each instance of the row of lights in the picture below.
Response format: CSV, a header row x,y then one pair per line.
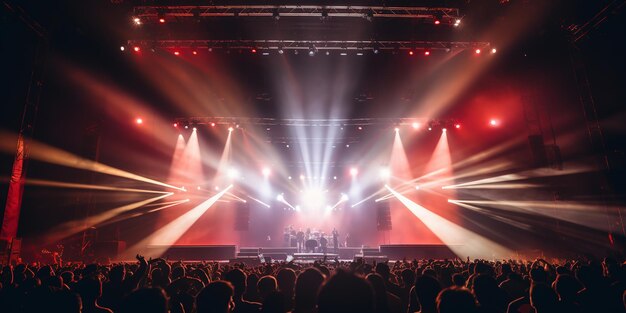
x,y
437,20
311,52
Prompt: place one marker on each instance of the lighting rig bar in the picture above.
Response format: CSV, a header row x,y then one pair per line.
x,y
338,45
337,122
153,13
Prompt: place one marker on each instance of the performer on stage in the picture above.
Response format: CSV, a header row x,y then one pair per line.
x,y
323,243
335,240
300,240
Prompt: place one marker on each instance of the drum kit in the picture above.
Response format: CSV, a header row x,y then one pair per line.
x,y
314,240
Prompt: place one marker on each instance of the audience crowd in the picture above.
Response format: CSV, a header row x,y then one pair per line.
x,y
426,286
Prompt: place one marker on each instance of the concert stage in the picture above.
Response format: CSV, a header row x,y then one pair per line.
x,y
257,255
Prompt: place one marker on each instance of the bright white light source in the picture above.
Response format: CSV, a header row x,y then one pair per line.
x,y
313,198
385,173
266,171
233,173
354,171
344,197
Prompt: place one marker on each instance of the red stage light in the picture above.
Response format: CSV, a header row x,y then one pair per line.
x,y
194,52
136,48
212,124
139,120
437,22
253,50
161,20
416,125
457,126
175,124
426,53
477,51
176,53
410,52
493,122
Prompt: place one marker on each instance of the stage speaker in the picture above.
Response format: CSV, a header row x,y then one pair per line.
x,y
538,150
108,249
383,216
242,216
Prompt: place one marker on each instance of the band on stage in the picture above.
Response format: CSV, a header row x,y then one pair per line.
x,y
313,240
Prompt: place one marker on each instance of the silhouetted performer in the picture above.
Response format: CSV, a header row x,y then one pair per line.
x,y
323,243
336,240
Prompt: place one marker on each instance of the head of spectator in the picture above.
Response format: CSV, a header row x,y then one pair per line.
x,y
345,292
382,269
266,285
286,279
307,286
380,292
459,280
238,278
408,277
426,289
456,300
90,290
216,297
65,301
117,274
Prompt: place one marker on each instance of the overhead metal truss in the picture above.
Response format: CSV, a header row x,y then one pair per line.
x,y
300,122
153,13
278,45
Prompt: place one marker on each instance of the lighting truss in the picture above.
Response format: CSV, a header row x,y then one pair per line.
x,y
338,45
152,13
296,122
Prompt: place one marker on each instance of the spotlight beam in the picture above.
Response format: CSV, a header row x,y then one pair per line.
x,y
42,152
260,202
50,183
138,214
461,241
73,227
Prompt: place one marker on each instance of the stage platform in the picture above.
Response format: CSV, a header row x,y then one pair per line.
x,y
263,254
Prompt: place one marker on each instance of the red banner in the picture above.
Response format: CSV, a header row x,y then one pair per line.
x,y
14,196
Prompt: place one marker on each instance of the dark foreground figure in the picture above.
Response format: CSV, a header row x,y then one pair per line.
x,y
426,286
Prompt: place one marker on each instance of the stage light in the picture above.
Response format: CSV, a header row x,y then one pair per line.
x,y
327,52
493,122
354,171
343,53
417,187
493,50
276,15
139,120
313,198
280,198
186,126
233,173
437,22
359,53
176,52
161,20
280,51
194,52
410,52
334,177
344,197
266,171
136,48
385,173
396,129
444,130
312,50
301,177
122,48
212,124
375,50
477,51
457,126
427,53
457,22
265,53
430,128
415,125
194,129
287,146
198,188
289,177
137,21
230,129
253,50
175,124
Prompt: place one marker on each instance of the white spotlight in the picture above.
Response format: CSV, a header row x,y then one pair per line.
x,y
385,173
415,125
396,129
344,197
233,173
354,171
230,129
266,171
280,198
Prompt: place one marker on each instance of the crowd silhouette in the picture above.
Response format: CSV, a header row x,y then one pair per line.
x,y
425,286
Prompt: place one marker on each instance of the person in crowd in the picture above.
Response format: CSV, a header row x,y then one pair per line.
x,y
216,297
266,285
346,292
307,285
456,300
238,278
